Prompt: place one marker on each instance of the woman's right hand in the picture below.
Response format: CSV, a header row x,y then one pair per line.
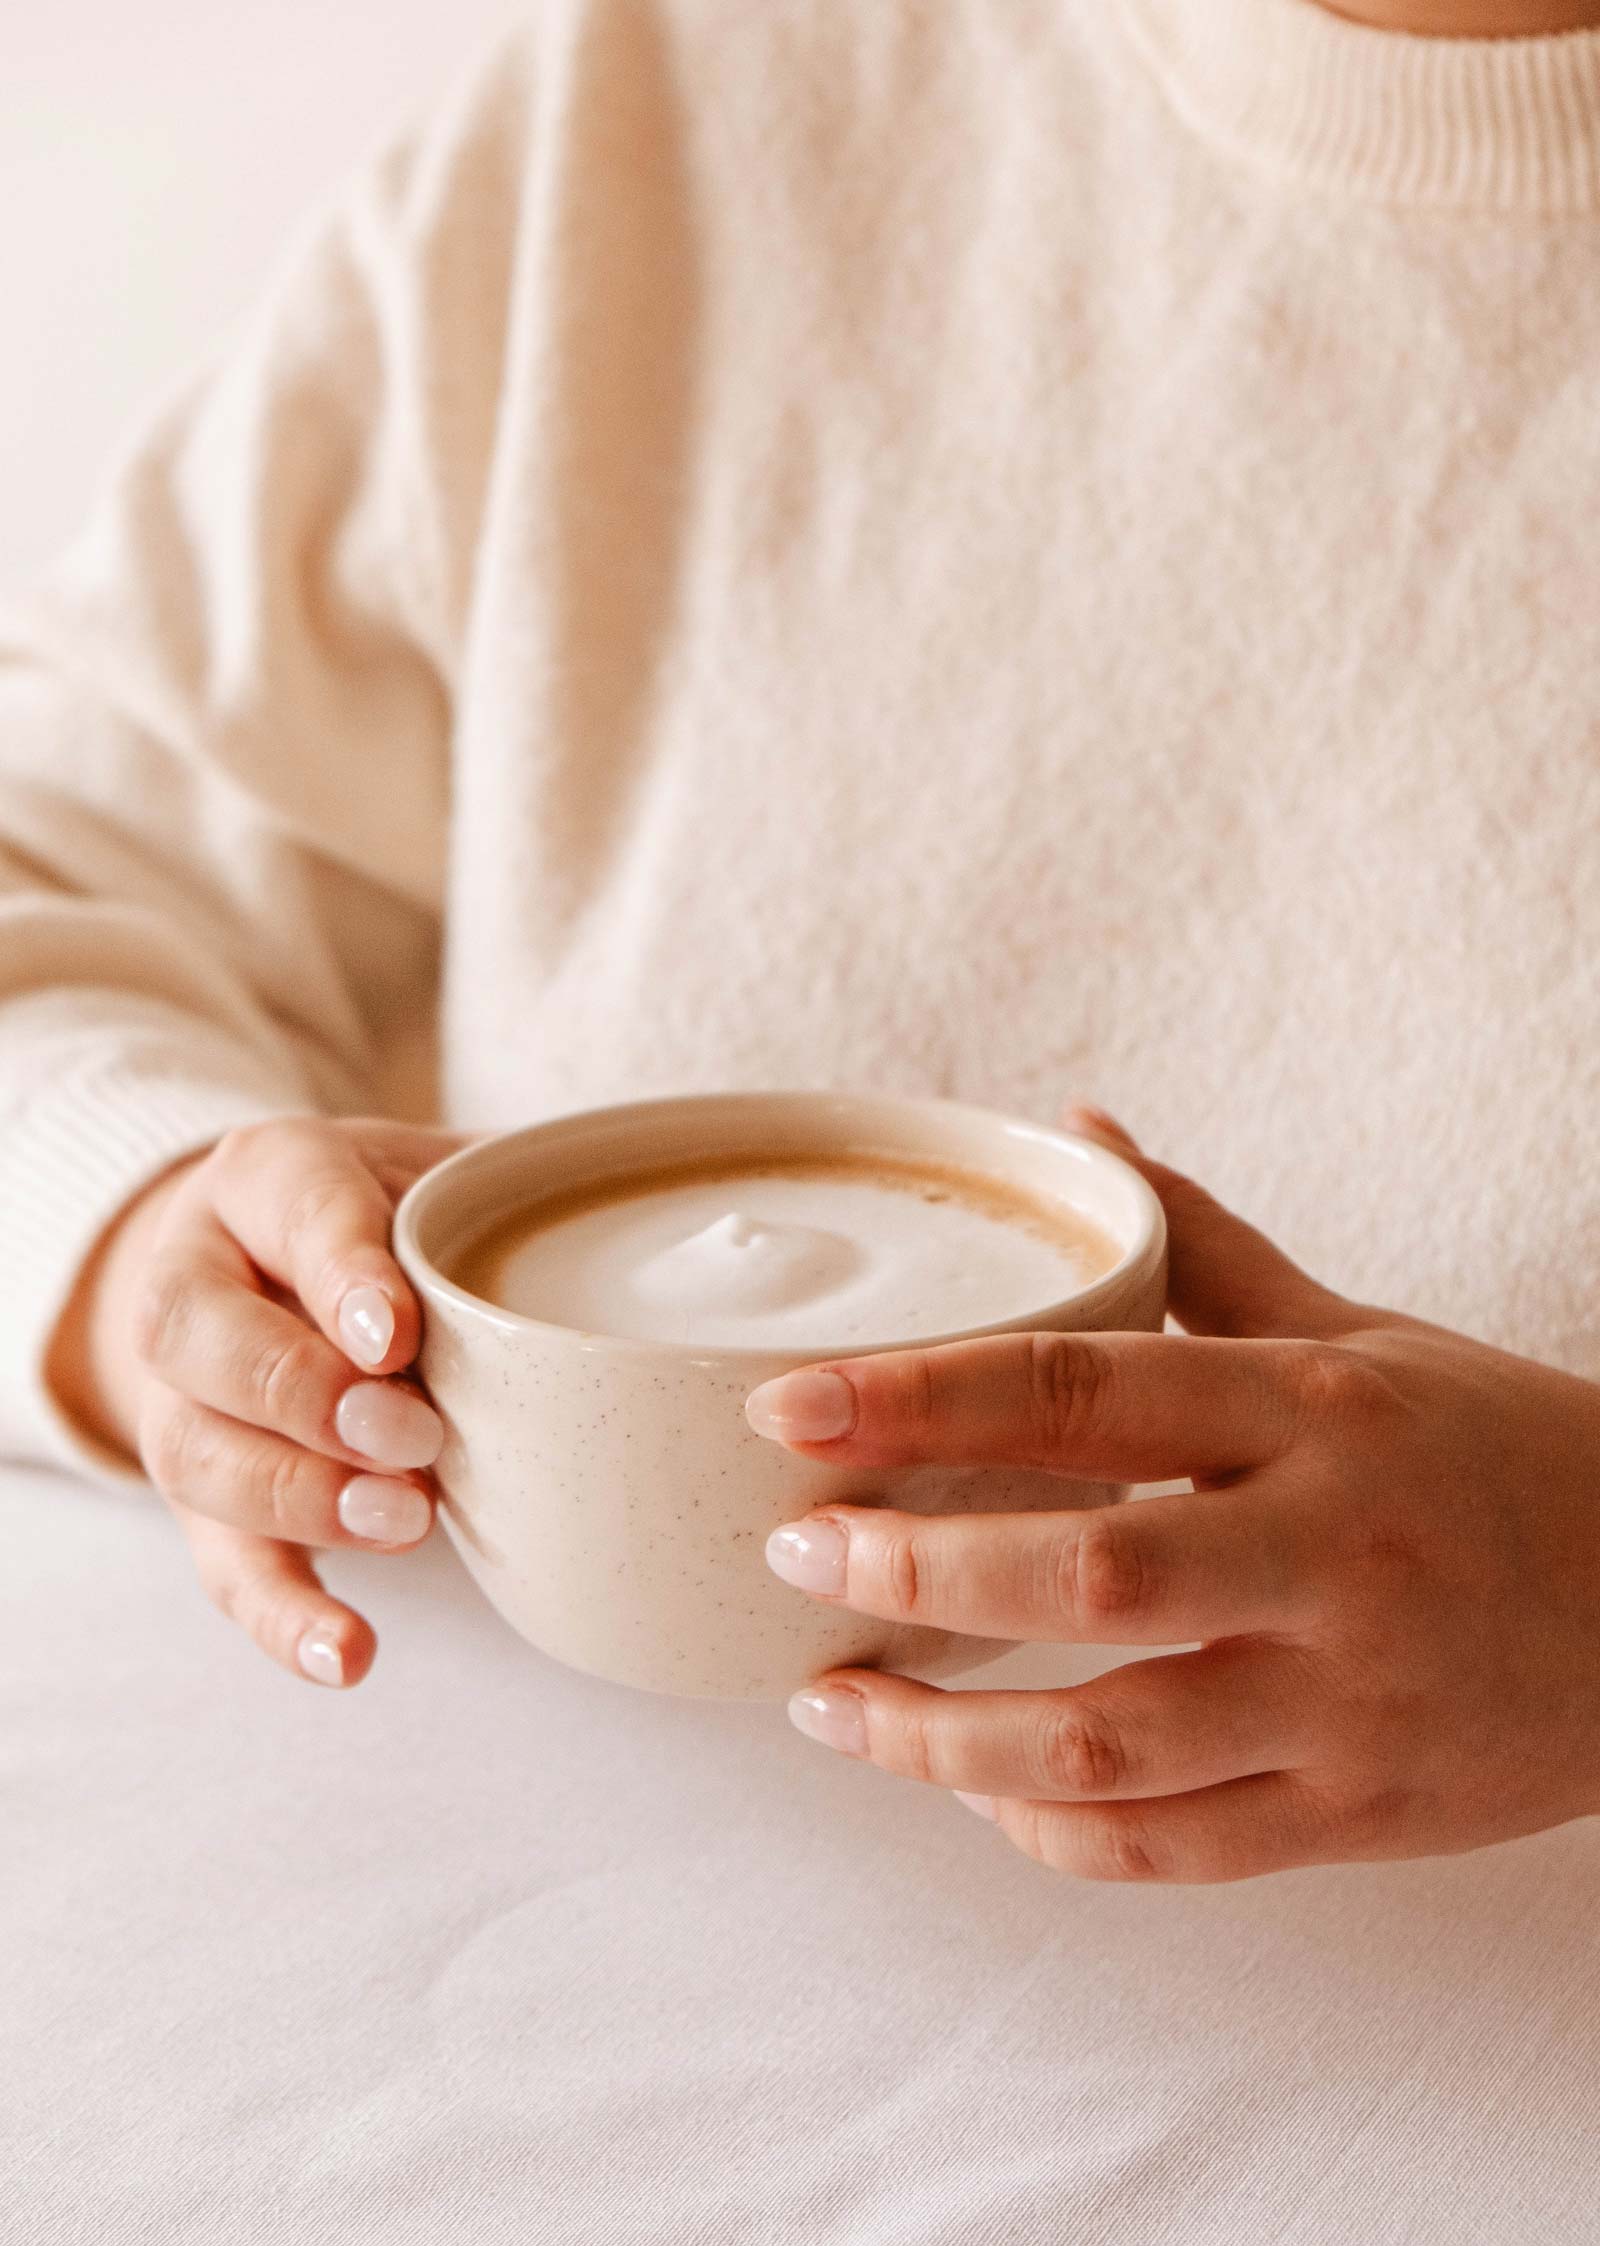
x,y
238,1330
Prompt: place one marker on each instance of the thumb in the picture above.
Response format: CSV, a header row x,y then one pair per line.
x,y
1223,1276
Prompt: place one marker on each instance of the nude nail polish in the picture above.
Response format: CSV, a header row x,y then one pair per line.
x,y
834,1719
383,1511
389,1425
319,1656
803,1407
366,1324
812,1555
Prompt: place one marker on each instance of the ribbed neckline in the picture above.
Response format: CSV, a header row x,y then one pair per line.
x,y
1452,124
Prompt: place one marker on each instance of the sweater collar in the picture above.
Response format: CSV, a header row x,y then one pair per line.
x,y
1453,124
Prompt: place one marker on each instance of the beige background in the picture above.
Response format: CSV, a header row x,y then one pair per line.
x,y
152,157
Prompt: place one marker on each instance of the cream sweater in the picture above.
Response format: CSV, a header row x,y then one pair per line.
x,y
1008,548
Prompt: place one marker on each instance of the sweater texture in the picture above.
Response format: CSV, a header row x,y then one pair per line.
x,y
999,549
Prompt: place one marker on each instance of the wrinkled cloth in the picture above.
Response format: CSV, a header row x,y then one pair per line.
x,y
487,1952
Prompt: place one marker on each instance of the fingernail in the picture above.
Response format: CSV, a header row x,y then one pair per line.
x,y
319,1656
1097,1119
802,1407
382,1511
811,1555
981,1805
833,1719
366,1324
388,1425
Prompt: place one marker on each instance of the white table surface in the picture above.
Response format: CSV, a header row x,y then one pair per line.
x,y
486,1951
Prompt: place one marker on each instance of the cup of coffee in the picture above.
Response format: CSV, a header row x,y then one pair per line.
x,y
602,1291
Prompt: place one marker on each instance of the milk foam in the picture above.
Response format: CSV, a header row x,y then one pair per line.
x,y
787,1262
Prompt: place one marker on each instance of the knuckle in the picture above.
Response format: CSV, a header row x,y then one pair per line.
x,y
248,1141
1124,1852
173,1449
914,1752
905,1573
1306,1820
1372,1728
313,1198
233,1147
1069,1382
1034,1829
285,1373
1104,1577
285,1495
1370,1819
1337,1383
917,1403
1072,1753
161,1312
1379,1545
1083,1844
243,1146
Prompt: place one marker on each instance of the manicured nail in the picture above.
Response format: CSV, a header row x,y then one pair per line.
x,y
366,1324
388,1425
833,1719
382,1511
810,1555
981,1805
802,1407
319,1657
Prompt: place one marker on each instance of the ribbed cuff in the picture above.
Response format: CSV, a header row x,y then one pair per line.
x,y
1425,123
72,1157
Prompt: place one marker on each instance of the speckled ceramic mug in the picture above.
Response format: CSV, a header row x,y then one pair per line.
x,y
608,1496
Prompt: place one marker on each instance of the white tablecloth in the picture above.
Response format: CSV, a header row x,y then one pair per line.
x,y
488,1952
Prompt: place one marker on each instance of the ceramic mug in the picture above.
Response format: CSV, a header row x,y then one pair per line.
x,y
608,1496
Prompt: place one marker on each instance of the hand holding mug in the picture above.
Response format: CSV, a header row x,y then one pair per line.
x,y
240,1331
1390,1562
591,1339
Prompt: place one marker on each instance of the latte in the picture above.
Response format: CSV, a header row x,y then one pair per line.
x,y
795,1252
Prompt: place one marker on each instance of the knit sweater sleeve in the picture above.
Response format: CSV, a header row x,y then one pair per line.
x,y
225,721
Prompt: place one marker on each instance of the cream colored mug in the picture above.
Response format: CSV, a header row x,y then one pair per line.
x,y
608,1496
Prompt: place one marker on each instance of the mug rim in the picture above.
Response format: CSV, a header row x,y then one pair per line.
x,y
1138,1263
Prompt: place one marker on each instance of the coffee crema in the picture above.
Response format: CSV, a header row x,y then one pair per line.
x,y
806,1252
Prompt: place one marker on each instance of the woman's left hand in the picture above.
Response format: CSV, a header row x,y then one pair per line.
x,y
1390,1561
